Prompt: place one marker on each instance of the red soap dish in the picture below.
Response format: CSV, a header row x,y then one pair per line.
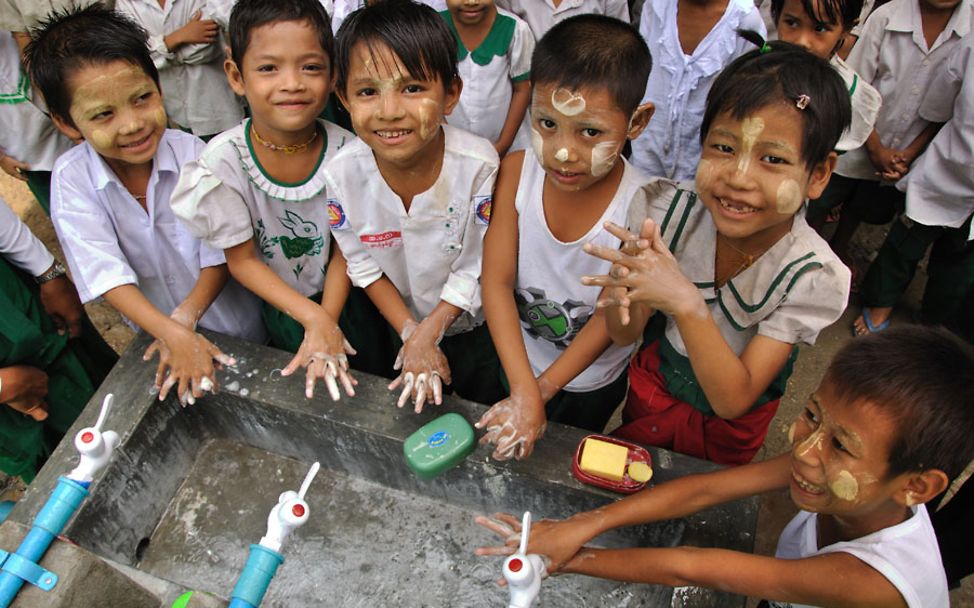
x,y
627,485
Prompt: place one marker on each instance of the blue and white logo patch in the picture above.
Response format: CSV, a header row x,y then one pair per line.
x,y
483,205
336,215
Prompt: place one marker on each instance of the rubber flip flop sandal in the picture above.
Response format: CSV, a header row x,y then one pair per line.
x,y
871,329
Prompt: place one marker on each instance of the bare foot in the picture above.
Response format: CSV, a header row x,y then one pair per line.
x,y
878,317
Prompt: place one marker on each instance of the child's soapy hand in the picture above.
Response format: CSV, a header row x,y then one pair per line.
x,y
422,366
324,354
513,425
556,541
186,362
651,277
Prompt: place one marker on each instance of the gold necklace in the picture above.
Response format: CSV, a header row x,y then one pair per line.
x,y
288,149
745,264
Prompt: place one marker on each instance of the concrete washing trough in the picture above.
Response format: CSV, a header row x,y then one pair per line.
x,y
188,491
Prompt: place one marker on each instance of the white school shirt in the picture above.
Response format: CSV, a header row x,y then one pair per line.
x,y
21,15
893,56
26,133
109,240
540,15
19,245
940,187
225,197
678,84
790,293
219,10
552,304
865,101
194,86
434,251
907,554
488,73
344,8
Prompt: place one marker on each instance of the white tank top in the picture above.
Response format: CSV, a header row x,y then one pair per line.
x,y
552,302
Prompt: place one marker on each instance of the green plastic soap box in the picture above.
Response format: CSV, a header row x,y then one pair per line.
x,y
439,445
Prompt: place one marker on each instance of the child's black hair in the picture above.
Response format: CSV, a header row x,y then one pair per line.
x,y
248,15
594,51
71,40
844,13
780,72
921,377
416,33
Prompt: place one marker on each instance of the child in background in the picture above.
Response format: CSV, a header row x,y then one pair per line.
x,y
187,49
51,358
344,8
541,15
691,42
110,196
412,199
747,279
939,204
29,142
494,59
587,80
820,27
258,190
887,430
902,48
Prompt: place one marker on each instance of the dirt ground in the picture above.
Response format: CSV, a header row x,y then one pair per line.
x,y
776,508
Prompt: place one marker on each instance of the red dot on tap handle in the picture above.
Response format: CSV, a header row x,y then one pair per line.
x,y
515,565
87,437
298,510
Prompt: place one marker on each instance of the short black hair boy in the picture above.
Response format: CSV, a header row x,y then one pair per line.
x,y
779,69
594,51
248,15
68,41
414,32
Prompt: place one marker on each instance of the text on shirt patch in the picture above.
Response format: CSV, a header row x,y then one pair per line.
x,y
336,215
383,240
483,205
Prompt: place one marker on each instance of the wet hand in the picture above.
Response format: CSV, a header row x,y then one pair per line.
x,y
60,301
423,368
186,362
513,426
324,354
555,541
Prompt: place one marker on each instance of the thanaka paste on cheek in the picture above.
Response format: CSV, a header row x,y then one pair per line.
x,y
567,102
100,139
705,175
604,157
537,145
789,197
561,155
845,486
751,129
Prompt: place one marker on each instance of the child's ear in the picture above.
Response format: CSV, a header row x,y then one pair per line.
x,y
234,77
640,118
922,487
452,95
818,179
69,131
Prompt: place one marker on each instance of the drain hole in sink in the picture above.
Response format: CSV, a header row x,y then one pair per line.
x,y
140,549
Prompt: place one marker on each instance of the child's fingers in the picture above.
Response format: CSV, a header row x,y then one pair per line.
x,y
420,392
437,386
498,526
606,253
503,550
166,386
220,357
407,389
294,364
332,385
153,349
348,382
349,350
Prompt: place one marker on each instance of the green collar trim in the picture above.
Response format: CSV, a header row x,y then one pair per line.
x,y
20,95
751,308
496,44
277,182
855,82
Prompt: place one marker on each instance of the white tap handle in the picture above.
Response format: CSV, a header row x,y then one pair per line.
x,y
525,531
290,512
308,479
522,571
96,447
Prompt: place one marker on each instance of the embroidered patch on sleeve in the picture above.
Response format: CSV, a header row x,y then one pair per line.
x,y
483,205
336,215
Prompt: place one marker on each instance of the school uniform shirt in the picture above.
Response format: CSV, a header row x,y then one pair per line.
x,y
194,86
488,73
344,8
26,133
225,198
940,186
109,240
679,83
540,15
22,15
907,554
865,101
20,247
219,10
552,303
893,56
432,252
790,293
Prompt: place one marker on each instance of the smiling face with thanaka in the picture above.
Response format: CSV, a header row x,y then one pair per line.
x,y
752,176
396,113
117,108
578,135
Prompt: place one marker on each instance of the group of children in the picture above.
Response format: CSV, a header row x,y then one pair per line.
x,y
486,186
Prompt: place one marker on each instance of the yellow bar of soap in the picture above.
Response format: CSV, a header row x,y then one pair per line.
x,y
640,472
604,459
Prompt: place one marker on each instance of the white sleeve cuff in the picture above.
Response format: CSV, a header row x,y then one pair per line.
x,y
462,292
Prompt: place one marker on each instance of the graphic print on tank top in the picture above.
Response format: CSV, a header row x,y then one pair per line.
x,y
546,319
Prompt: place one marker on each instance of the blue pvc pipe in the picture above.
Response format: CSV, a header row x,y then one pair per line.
x,y
261,566
62,504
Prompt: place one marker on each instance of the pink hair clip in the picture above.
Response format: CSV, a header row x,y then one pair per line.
x,y
802,101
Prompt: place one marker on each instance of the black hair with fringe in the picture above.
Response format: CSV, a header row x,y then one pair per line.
x,y
416,33
844,13
594,51
68,41
778,72
247,15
